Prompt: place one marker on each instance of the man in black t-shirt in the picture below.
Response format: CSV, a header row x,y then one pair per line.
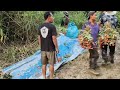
x,y
47,36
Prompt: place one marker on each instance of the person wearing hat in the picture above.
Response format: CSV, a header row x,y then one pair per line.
x,y
94,55
109,16
65,19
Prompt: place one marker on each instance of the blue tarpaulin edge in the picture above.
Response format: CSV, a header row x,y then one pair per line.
x,y
30,68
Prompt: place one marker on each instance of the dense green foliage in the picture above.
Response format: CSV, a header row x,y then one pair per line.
x,y
22,26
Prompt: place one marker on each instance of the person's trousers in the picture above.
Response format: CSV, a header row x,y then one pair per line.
x,y
94,55
104,49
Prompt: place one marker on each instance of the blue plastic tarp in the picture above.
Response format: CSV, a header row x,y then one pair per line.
x,y
30,68
72,30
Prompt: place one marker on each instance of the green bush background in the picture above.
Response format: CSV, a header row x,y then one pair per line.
x,y
21,26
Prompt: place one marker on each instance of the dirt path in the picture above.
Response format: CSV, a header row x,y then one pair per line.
x,y
78,68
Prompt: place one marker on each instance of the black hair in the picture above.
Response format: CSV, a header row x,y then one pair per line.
x,y
47,14
91,13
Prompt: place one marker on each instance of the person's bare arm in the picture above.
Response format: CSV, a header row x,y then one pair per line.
x,y
39,40
54,38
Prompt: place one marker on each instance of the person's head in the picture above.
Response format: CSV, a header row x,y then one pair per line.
x,y
48,17
92,15
66,13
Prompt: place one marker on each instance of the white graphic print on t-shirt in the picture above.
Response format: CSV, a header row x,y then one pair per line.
x,y
44,31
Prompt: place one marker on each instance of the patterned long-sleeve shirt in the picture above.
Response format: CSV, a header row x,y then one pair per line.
x,y
111,18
